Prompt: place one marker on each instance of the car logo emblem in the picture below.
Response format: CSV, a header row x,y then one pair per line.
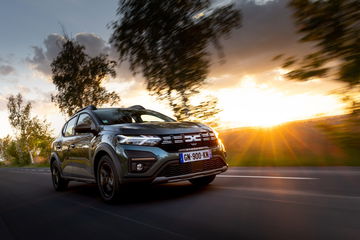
x,y
192,138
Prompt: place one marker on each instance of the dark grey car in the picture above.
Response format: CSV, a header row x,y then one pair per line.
x,y
116,146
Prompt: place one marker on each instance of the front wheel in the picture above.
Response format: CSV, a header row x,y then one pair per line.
x,y
59,183
107,180
202,181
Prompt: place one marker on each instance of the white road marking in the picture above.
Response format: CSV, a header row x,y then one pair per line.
x,y
47,171
266,177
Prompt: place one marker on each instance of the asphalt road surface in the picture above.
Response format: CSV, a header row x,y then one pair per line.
x,y
243,203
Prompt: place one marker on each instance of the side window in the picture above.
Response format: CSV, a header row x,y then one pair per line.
x,y
63,131
85,119
70,127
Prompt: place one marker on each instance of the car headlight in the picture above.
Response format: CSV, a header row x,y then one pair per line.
x,y
143,140
221,145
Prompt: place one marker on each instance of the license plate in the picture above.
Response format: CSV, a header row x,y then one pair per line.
x,y
195,156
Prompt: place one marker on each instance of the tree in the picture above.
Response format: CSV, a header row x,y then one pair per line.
x,y
334,27
5,147
78,78
168,42
33,136
206,111
19,114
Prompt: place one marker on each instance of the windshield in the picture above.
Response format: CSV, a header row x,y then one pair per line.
x,y
120,116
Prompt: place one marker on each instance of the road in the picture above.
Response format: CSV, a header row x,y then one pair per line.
x,y
243,203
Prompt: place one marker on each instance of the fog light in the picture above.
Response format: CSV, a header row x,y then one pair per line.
x,y
139,167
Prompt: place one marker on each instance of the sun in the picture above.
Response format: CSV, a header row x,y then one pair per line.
x,y
257,105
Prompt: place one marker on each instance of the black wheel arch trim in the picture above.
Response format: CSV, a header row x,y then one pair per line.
x,y
56,158
104,147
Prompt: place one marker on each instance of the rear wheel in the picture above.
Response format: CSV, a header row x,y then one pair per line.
x,y
59,183
107,180
202,181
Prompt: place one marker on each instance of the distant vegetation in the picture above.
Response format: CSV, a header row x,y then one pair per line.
x,y
32,138
300,143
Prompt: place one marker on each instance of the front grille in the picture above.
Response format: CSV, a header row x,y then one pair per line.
x,y
177,169
173,143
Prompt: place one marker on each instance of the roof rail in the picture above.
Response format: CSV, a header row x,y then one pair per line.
x,y
137,107
90,107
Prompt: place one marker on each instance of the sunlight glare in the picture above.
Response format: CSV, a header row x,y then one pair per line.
x,y
258,105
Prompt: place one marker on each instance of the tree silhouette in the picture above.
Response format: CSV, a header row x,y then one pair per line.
x,y
334,27
206,111
78,78
167,41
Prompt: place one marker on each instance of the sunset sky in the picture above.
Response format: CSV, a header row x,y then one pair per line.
x,y
249,84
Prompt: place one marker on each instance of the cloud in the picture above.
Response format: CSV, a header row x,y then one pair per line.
x,y
3,103
94,44
43,56
6,69
267,30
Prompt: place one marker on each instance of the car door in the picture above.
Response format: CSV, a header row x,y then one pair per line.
x,y
66,146
58,146
80,153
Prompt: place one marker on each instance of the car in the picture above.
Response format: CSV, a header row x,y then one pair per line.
x,y
113,147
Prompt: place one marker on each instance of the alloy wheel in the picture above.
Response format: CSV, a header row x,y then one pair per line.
x,y
106,180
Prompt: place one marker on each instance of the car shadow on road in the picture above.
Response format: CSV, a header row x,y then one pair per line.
x,y
135,194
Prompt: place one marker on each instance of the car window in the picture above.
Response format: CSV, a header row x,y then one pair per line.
x,y
70,127
121,116
151,118
64,129
85,119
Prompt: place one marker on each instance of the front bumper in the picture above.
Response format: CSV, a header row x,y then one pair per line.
x,y
178,178
167,167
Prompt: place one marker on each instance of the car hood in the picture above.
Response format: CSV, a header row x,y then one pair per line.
x,y
157,128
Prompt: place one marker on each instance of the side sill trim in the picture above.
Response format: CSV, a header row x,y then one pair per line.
x,y
86,180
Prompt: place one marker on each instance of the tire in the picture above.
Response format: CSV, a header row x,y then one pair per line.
x,y
59,183
202,181
107,180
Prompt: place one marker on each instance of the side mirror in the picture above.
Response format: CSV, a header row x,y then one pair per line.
x,y
85,129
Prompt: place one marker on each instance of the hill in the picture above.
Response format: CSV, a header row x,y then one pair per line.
x,y
300,143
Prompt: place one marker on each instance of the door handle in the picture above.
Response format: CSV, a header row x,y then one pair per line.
x,y
72,145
